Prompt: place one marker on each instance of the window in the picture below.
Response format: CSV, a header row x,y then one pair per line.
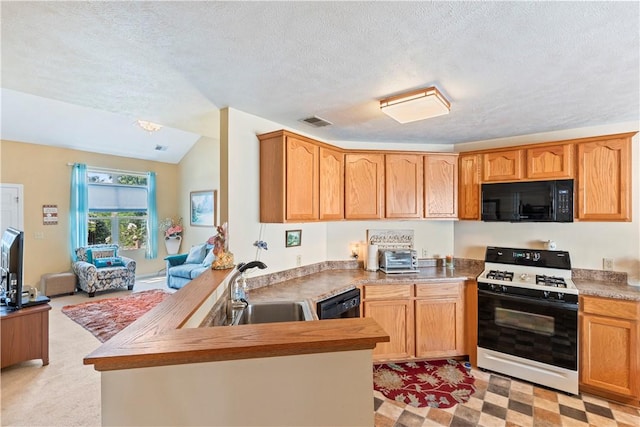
x,y
117,208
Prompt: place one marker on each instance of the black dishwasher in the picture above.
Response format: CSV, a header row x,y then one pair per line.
x,y
346,304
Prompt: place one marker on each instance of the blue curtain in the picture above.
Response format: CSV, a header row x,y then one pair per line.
x,y
152,218
79,212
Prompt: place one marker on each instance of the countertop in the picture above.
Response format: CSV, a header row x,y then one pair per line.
x,y
607,289
324,284
160,338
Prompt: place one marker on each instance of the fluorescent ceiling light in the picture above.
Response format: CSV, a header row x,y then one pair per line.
x,y
417,105
149,126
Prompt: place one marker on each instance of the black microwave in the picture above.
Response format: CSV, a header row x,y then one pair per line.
x,y
531,201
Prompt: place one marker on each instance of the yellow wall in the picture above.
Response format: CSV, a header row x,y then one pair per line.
x,y
199,170
46,177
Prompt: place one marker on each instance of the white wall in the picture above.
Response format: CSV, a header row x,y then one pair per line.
x,y
587,242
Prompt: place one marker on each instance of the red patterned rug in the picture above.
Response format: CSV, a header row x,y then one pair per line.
x,y
106,317
437,383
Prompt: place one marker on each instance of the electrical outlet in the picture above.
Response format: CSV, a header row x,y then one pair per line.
x,y
298,260
607,264
424,253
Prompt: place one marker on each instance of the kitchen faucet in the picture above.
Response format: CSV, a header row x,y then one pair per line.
x,y
231,301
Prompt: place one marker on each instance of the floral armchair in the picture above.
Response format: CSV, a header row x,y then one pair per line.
x,y
99,268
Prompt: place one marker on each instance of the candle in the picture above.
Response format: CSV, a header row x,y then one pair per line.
x,y
449,261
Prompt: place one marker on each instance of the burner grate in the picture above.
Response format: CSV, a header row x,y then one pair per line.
x,y
556,282
500,275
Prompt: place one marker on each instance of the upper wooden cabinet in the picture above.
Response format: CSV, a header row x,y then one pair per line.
x,y
441,186
403,185
502,165
289,178
331,184
469,186
604,179
364,186
550,162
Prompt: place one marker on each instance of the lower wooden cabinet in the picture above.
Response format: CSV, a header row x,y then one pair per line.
x,y
609,356
423,321
439,320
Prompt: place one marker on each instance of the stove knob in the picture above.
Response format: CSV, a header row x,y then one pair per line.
x,y
545,294
503,288
524,276
560,295
493,287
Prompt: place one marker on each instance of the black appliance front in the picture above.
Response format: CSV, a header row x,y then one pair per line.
x,y
344,305
531,328
532,201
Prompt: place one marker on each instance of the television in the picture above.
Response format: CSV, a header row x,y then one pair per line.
x,y
12,266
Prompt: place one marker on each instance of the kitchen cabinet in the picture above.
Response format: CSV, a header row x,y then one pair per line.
x,y
441,186
364,185
604,179
609,356
403,186
300,179
502,165
550,162
331,190
423,321
439,320
469,186
288,178
391,307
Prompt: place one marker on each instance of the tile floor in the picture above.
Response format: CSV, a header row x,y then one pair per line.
x,y
503,401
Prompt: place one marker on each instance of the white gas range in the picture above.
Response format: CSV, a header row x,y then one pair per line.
x,y
528,316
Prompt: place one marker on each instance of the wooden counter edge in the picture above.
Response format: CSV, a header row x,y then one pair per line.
x,y
156,339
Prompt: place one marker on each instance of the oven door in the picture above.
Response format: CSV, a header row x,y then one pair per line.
x,y
530,328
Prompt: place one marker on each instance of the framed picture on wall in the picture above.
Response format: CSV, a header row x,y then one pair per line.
x,y
293,238
203,208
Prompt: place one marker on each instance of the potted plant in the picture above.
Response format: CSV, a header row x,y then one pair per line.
x,y
172,228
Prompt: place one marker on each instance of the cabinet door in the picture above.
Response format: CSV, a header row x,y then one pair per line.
x,y
502,165
396,318
439,321
609,355
331,184
441,186
302,180
550,162
403,186
604,180
364,186
469,186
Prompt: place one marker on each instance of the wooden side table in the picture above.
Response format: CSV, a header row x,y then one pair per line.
x,y
25,334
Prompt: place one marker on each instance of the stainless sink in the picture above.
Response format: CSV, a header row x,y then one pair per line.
x,y
270,312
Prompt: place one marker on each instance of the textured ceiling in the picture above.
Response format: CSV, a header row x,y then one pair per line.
x,y
508,68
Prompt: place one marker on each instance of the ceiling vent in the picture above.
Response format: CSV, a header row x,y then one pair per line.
x,y
316,121
161,148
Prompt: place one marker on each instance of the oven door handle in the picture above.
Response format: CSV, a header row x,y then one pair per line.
x,y
537,301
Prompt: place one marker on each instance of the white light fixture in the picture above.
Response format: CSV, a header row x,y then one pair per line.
x,y
149,126
416,105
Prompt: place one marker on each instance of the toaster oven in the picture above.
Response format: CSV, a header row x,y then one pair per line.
x,y
398,261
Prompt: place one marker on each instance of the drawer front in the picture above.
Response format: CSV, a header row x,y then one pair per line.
x,y
387,291
609,307
438,290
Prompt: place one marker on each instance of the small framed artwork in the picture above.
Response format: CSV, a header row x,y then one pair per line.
x,y
203,205
293,238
